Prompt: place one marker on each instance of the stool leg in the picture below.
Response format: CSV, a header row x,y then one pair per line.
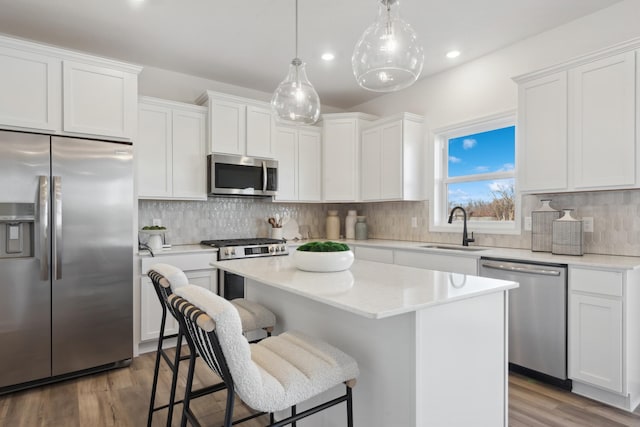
x,y
187,392
174,378
156,369
228,415
349,408
293,412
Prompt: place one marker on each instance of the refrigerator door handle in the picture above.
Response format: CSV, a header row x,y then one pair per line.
x,y
57,235
43,213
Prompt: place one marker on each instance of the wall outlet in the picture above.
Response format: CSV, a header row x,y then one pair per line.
x,y
414,222
527,223
157,222
587,223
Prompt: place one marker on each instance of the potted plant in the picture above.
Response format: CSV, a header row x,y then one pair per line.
x,y
323,256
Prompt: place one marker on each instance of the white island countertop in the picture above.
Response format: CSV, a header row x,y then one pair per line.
x,y
370,289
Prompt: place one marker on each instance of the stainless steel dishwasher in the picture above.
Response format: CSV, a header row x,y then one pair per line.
x,y
537,317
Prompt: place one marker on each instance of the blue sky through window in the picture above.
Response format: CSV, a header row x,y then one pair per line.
x,y
480,153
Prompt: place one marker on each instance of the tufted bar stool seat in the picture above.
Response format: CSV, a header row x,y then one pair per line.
x,y
166,279
272,375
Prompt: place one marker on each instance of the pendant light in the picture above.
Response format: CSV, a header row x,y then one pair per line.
x,y
295,99
388,56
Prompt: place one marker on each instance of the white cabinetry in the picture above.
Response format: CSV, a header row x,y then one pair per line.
x,y
577,124
171,150
542,131
341,156
57,91
603,347
365,253
602,122
434,261
298,153
197,270
238,125
392,159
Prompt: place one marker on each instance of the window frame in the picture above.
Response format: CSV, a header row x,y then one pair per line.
x,y
438,214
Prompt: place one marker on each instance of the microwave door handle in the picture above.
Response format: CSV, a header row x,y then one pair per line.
x,y
43,220
264,176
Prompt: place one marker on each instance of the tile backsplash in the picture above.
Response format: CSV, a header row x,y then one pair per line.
x,y
616,220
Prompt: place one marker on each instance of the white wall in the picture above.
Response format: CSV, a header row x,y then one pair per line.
x,y
180,87
484,86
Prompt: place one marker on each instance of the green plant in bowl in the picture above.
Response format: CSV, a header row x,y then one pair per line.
x,y
328,246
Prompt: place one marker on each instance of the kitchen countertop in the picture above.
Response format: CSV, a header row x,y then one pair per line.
x,y
587,260
369,289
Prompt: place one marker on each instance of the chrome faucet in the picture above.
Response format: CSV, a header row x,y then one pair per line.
x,y
465,238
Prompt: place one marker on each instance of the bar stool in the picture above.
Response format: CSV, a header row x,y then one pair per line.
x,y
165,279
275,374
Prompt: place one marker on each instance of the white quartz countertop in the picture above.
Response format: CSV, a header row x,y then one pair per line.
x,y
369,289
178,249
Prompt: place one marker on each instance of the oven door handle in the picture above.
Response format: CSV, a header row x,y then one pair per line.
x,y
520,269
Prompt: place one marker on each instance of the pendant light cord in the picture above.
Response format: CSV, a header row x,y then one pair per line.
x,y
296,28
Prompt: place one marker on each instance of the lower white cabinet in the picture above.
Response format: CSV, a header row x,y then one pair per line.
x,y
298,151
433,261
603,346
197,269
171,150
373,254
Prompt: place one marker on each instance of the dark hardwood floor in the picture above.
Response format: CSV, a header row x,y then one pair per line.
x,y
120,398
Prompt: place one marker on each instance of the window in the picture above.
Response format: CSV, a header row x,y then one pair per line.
x,y
475,169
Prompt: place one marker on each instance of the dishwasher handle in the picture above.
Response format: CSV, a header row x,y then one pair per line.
x,y
528,269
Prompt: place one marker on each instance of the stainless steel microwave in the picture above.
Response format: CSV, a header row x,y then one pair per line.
x,y
241,176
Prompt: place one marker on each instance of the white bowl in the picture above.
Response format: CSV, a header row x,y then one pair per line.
x,y
323,261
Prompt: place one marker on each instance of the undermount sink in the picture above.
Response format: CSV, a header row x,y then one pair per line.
x,y
454,248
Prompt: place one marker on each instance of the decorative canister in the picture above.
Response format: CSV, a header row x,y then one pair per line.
x,y
567,235
333,225
350,225
542,226
361,228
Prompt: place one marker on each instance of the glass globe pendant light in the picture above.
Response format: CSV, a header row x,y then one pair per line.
x,y
295,99
388,56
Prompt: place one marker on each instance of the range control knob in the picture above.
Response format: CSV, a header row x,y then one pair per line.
x,y
272,249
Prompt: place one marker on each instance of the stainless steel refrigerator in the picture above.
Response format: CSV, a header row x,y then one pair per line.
x,y
65,257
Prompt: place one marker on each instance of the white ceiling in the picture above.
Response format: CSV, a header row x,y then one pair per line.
x,y
250,43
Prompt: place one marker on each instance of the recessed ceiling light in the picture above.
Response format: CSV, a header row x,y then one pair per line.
x,y
328,56
453,54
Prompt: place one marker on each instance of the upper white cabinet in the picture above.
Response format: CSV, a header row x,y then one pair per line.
x,y
602,122
392,159
170,150
577,124
298,151
30,84
341,156
238,125
542,134
98,100
52,90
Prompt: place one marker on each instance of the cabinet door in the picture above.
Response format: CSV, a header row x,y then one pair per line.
x,y
340,171
391,170
373,254
99,100
285,151
259,123
371,165
31,90
542,134
595,341
151,313
602,127
309,173
228,126
189,155
433,261
154,151
205,279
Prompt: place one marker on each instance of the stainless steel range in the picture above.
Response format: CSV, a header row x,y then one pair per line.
x,y
247,248
230,285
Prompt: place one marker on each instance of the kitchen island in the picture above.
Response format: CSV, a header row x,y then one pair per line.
x,y
431,345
